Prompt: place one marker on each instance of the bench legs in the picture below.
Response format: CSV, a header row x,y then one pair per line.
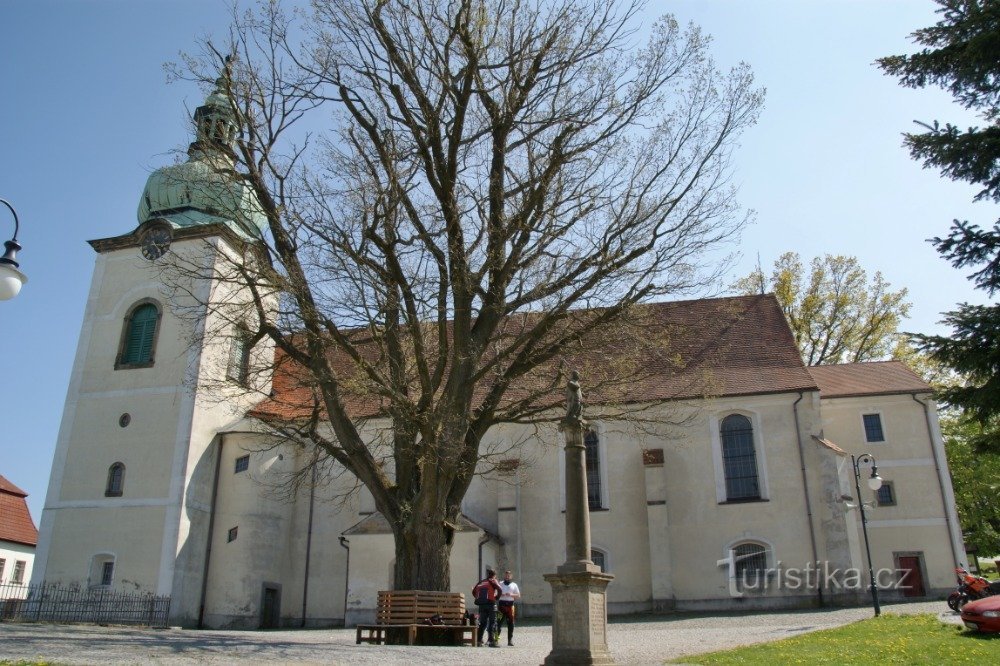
x,y
414,634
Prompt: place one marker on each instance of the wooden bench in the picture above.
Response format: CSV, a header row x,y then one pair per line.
x,y
401,619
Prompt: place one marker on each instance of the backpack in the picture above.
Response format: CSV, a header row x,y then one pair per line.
x,y
482,591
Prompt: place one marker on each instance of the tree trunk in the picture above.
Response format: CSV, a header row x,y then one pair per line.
x,y
423,553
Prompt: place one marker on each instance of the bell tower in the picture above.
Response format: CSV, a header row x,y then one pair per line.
x,y
130,486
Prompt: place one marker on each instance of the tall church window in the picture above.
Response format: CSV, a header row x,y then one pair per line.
x,y
592,445
139,337
116,480
239,357
739,459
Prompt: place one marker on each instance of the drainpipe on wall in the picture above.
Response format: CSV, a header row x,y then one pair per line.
x,y
211,531
517,503
483,540
345,543
947,493
309,540
805,491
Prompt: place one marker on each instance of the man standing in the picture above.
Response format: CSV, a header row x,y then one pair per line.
x,y
510,594
486,592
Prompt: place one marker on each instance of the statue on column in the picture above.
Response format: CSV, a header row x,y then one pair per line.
x,y
574,398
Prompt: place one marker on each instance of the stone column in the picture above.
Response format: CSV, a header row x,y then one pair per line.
x,y
579,601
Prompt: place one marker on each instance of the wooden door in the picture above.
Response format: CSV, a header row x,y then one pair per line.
x,y
271,609
911,581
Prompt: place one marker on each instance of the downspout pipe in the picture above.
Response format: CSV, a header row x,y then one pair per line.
x,y
219,439
947,492
345,543
805,491
483,540
309,540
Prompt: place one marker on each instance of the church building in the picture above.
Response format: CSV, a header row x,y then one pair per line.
x,y
743,496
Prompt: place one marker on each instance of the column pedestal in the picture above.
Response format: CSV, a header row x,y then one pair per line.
x,y
579,618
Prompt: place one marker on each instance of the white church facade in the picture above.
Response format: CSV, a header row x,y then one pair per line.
x,y
164,481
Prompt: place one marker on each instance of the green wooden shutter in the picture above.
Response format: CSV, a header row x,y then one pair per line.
x,y
140,335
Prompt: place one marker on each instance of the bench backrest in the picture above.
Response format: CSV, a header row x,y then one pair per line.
x,y
415,606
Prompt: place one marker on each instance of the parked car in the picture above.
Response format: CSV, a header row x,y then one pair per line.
x,y
983,614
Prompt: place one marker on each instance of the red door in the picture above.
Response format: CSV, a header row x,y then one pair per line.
x,y
911,581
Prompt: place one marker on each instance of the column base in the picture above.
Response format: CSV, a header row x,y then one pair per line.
x,y
579,617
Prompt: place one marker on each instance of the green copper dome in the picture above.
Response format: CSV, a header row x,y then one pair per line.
x,y
206,188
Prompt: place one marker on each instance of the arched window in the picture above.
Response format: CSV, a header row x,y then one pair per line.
x,y
593,454
739,460
239,356
139,337
750,564
116,480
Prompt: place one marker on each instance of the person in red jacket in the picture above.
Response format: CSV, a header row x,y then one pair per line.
x,y
486,592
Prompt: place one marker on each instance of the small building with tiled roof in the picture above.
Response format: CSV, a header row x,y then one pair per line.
x,y
18,537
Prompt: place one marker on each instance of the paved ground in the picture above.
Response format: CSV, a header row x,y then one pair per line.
x,y
648,640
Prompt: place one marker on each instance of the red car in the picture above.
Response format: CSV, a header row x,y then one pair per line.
x,y
982,614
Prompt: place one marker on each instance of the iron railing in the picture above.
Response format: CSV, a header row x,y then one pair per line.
x,y
49,602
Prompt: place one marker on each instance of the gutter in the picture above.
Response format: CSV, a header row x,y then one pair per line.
x,y
947,492
483,540
805,491
345,543
309,539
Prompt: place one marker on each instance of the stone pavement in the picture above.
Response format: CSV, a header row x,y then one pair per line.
x,y
647,639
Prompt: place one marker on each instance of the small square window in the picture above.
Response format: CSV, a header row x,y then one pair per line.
x,y
885,495
232,534
873,428
242,464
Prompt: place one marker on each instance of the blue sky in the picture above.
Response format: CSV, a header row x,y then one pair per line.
x,y
87,113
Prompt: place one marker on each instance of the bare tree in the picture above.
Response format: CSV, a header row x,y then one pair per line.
x,y
835,313
459,197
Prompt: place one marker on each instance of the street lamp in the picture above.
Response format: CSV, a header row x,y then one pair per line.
x,y
11,279
874,482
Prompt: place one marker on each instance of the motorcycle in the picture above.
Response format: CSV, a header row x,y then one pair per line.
x,y
970,588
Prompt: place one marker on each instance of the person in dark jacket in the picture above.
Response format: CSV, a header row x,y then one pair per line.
x,y
486,592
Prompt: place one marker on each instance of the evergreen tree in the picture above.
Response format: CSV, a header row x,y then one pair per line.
x,y
960,55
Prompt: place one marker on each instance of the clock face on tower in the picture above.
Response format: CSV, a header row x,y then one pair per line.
x,y
155,242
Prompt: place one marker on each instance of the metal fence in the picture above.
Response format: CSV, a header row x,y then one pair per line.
x,y
58,603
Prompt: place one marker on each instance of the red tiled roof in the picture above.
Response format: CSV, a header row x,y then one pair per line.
x,y
16,524
857,379
721,346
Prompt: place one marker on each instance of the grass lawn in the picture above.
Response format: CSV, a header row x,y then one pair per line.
x,y
889,639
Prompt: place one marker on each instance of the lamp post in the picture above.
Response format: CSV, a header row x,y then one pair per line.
x,y
874,482
11,279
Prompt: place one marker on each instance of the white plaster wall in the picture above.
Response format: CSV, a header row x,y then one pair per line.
x,y
917,522
163,446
